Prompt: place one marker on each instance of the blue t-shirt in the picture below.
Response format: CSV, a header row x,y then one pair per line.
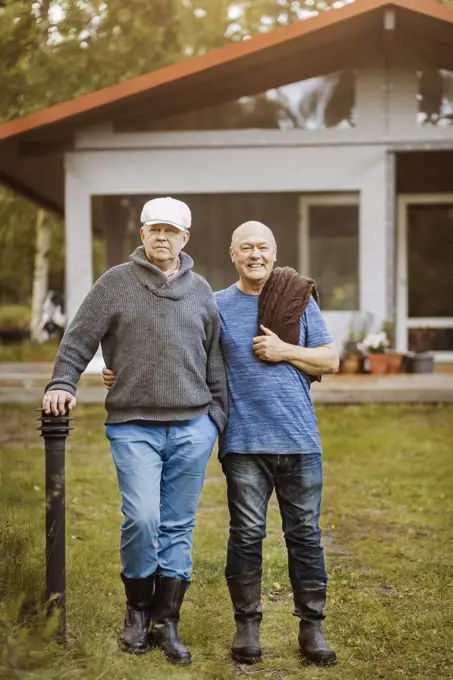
x,y
270,407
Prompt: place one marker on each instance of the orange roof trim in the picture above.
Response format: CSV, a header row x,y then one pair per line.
x,y
115,93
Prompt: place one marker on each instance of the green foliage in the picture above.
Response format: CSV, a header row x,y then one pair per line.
x,y
57,50
14,317
388,327
17,244
17,249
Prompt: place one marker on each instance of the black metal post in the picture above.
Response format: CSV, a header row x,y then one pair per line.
x,y
55,429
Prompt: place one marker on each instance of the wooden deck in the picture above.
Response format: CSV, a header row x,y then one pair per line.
x,y
356,389
23,383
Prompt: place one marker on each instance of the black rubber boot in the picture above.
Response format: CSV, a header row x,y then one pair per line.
x,y
309,601
245,592
139,595
168,598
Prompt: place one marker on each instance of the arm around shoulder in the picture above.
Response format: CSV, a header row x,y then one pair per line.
x,y
215,368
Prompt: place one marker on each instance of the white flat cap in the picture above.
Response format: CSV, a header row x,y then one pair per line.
x,y
167,211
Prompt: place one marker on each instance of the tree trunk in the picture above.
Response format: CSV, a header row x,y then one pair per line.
x,y
41,271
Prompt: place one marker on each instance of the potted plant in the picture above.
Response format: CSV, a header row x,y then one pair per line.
x,y
420,359
394,358
351,358
374,346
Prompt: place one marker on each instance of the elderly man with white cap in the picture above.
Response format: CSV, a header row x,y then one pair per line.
x,y
158,326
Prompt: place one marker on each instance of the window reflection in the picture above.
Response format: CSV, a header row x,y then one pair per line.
x,y
430,339
334,255
435,97
214,216
312,104
430,269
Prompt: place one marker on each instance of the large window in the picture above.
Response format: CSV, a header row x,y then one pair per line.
x,y
425,274
116,225
328,250
435,97
330,239
430,260
312,104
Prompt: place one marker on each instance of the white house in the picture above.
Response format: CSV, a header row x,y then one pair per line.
x,y
336,131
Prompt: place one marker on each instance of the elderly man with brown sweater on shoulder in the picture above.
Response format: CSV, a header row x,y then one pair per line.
x,y
274,343
158,325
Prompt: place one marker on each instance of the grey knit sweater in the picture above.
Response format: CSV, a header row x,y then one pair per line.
x,y
159,336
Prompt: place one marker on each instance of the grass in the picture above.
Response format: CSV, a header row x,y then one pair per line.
x,y
387,520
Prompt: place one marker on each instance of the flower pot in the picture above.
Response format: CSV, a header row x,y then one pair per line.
x,y
378,363
394,362
351,364
419,363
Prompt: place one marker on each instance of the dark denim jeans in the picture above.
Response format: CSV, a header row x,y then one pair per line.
x,y
297,480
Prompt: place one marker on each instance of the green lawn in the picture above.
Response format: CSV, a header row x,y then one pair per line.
x,y
388,527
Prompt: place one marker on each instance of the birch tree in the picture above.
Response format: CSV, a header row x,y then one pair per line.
x,y
40,271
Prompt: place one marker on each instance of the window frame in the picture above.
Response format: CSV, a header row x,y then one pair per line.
x,y
307,201
403,321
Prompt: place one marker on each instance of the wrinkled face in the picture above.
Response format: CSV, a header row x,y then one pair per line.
x,y
163,243
253,252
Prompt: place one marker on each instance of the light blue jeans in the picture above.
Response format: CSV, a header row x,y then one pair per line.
x,y
160,469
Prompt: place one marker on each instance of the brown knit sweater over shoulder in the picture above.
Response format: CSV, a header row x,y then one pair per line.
x,y
282,302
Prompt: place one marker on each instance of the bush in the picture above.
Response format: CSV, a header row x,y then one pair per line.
x,y
14,317
14,323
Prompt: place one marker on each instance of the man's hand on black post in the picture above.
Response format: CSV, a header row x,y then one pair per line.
x,y
58,402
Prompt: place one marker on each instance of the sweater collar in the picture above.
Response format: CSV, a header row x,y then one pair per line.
x,y
152,278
